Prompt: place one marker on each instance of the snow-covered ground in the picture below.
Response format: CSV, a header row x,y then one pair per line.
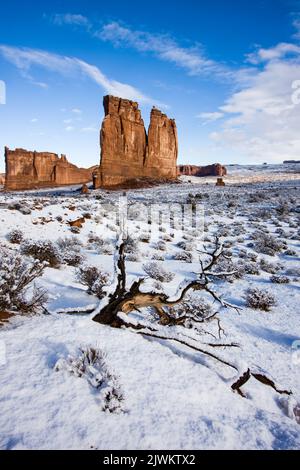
x,y
173,397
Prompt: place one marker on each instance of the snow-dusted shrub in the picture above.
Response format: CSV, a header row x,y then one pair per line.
x,y
259,299
91,364
283,209
271,268
75,230
70,253
131,245
157,272
225,265
290,252
166,237
277,279
144,237
94,279
21,207
68,243
186,245
107,248
15,236
185,256
158,256
17,290
160,245
73,257
267,244
249,267
134,257
193,306
43,250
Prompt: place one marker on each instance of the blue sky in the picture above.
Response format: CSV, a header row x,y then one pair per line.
x,y
227,71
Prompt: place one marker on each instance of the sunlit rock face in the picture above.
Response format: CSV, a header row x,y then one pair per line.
x,y
210,170
30,170
128,152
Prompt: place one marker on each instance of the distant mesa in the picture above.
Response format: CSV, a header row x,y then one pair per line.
x,y
128,152
210,170
31,170
290,161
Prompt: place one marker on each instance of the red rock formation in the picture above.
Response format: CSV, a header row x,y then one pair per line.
x,y
30,170
210,170
127,152
2,179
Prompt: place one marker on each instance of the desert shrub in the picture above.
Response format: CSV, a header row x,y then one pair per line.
x,y
259,299
43,250
271,268
192,306
158,256
144,238
131,245
73,257
267,244
94,279
17,290
225,265
75,230
68,243
91,364
277,279
70,251
157,272
133,257
21,207
15,236
185,256
107,248
166,237
160,245
290,252
186,245
250,268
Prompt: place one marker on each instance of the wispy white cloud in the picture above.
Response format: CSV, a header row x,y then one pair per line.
x,y
71,19
34,120
210,117
261,121
69,128
192,59
25,59
76,111
274,53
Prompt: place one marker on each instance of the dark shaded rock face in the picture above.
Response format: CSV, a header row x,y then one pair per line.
x,y
30,170
210,170
127,152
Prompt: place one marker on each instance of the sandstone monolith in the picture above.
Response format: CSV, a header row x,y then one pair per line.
x,y
127,152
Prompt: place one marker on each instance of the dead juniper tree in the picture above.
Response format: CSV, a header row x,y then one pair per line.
x,y
123,300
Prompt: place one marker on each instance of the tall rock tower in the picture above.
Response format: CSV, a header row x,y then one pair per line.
x,y
127,153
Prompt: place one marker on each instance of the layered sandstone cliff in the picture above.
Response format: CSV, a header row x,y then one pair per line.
x,y
127,152
30,170
210,170
2,179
